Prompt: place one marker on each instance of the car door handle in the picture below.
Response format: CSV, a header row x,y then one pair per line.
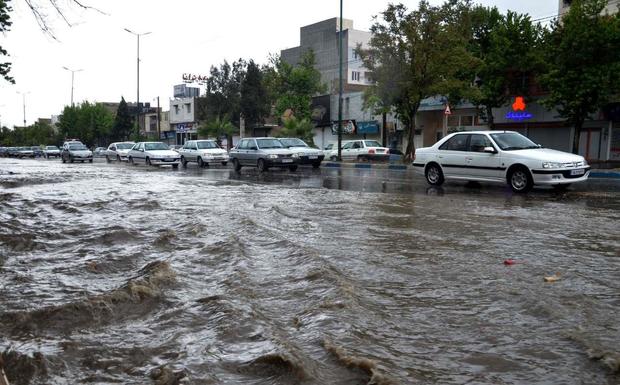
x,y
469,158
439,157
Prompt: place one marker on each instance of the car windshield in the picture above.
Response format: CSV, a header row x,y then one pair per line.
x,y
77,147
124,146
155,146
206,144
509,141
51,148
294,142
268,143
372,143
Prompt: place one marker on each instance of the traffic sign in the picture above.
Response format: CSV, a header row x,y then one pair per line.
x,y
447,110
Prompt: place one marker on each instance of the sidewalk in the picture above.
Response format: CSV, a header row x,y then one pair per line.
x,y
595,173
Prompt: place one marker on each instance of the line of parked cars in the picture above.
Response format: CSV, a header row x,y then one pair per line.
x,y
29,152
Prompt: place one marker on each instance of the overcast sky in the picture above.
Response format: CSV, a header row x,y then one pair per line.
x,y
186,36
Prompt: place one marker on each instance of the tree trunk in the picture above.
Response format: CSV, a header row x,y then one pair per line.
x,y
576,135
490,119
384,130
410,149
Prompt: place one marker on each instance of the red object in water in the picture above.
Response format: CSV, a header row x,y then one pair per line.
x,y
509,262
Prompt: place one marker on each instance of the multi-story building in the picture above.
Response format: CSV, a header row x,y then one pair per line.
x,y
323,39
610,8
182,113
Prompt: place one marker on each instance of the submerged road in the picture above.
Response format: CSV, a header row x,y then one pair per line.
x,y
111,273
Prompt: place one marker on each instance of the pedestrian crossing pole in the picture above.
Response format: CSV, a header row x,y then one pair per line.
x,y
340,87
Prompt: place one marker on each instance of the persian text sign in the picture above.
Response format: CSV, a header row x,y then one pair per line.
x,y
518,112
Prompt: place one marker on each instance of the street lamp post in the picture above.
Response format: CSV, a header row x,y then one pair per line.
x,y
72,75
138,79
23,94
340,87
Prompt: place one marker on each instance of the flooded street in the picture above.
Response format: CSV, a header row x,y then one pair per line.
x,y
117,274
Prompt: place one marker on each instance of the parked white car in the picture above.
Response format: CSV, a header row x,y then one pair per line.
x,y
362,149
202,152
307,154
153,153
49,151
118,151
499,156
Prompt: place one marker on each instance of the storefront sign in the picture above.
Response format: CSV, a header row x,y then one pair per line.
x,y
518,112
184,127
368,127
348,127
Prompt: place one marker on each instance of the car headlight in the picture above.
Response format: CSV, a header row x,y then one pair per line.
x,y
272,156
551,165
297,155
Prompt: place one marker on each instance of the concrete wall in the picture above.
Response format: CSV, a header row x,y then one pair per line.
x,y
179,112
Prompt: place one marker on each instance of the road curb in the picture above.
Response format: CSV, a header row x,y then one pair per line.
x,y
605,174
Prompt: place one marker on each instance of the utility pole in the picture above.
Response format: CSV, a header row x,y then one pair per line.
x,y
23,94
340,87
138,80
158,119
72,74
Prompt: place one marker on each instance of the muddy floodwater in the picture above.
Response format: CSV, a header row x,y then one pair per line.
x,y
118,274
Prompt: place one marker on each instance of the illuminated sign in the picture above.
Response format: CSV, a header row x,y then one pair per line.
x,y
518,112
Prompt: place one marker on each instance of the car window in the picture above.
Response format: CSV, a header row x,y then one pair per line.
x,y
155,146
477,143
347,146
508,141
372,143
456,143
268,143
329,146
357,145
293,142
206,144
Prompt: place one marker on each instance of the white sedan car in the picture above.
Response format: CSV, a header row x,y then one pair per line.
x,y
360,150
118,151
499,156
153,153
203,152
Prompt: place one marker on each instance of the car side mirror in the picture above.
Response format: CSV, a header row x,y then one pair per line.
x,y
254,148
489,150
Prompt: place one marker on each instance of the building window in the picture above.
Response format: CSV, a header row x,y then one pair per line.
x,y
176,109
188,106
355,76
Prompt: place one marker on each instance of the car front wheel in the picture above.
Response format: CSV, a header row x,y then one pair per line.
x,y
520,180
183,161
236,164
200,162
262,166
434,175
131,161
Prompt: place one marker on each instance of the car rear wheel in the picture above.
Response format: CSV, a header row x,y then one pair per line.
x,y
90,161
262,166
520,180
434,175
200,162
236,164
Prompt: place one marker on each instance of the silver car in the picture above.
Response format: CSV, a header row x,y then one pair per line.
x,y
153,153
307,154
203,152
263,153
118,151
75,151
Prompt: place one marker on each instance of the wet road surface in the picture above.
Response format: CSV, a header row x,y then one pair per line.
x,y
117,274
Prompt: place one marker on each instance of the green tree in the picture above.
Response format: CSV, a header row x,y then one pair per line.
x,y
223,96
91,123
297,128
218,127
5,24
292,87
418,54
584,63
509,49
123,123
254,104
